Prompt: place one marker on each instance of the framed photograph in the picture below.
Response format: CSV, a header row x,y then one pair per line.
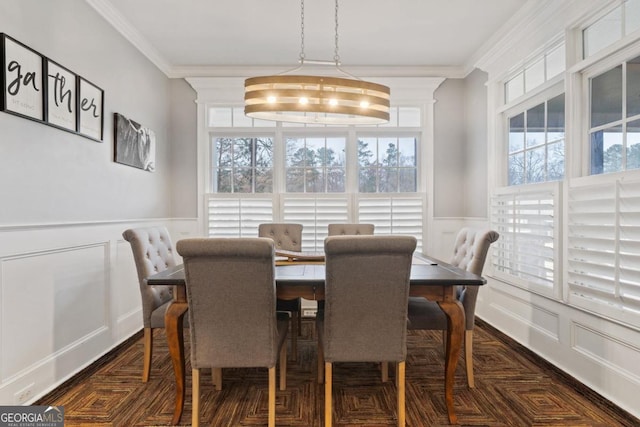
x,y
22,79
135,145
90,109
61,96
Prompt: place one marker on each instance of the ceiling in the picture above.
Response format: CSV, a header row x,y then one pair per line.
x,y
192,36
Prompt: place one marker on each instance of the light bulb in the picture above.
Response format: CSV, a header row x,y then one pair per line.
x,y
271,99
364,104
303,100
333,101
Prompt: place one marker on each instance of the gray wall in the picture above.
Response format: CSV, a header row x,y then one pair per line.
x,y
184,150
460,147
49,175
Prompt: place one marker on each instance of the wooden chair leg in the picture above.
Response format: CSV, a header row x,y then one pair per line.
x,y
283,367
320,353
400,379
468,357
148,347
295,318
216,376
272,396
195,406
328,412
444,341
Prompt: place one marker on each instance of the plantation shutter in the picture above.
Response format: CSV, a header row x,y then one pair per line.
x,y
529,244
315,212
604,247
237,217
394,214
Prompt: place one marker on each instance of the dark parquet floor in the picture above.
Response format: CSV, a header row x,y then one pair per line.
x,y
513,388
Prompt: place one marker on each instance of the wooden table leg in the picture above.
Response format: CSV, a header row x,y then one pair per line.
x,y
455,335
174,320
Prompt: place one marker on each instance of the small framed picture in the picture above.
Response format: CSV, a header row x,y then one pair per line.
x,y
22,79
61,96
135,145
90,109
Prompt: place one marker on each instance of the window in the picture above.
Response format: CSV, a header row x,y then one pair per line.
x,y
387,165
536,72
614,133
243,165
314,175
619,22
315,165
536,143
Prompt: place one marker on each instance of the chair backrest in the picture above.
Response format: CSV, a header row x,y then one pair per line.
x,y
351,229
469,253
152,252
230,284
285,236
366,295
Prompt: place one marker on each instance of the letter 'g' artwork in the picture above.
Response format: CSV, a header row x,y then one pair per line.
x,y
135,144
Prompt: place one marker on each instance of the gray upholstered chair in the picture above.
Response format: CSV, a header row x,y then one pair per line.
x,y
350,229
365,313
287,237
152,253
469,253
230,285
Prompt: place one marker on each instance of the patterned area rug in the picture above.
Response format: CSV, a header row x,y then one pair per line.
x,y
513,388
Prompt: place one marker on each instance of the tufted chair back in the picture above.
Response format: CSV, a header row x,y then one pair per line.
x,y
152,252
469,253
350,229
285,236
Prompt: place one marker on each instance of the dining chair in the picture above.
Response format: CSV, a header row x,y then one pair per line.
x,y
152,252
231,292
288,237
469,253
350,229
365,312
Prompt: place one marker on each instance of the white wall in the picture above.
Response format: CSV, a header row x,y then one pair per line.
x,y
68,288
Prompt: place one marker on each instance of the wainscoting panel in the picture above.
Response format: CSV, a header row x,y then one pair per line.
x,y
44,296
69,293
608,350
600,353
525,312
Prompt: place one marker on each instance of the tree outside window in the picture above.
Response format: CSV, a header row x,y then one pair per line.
x,y
315,165
387,164
615,119
536,143
243,165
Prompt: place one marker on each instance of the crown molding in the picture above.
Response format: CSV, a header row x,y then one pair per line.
x,y
535,20
124,27
359,70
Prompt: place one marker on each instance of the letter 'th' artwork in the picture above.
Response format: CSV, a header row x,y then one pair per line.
x,y
135,145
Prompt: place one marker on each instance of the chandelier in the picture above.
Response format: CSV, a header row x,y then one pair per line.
x,y
316,99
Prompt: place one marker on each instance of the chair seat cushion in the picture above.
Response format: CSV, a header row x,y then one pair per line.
x,y
290,305
425,314
157,316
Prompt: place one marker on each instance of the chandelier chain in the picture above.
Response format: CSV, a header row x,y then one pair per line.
x,y
336,56
301,31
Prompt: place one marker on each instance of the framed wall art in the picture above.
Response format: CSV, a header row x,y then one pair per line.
x,y
22,79
61,108
90,109
40,89
135,145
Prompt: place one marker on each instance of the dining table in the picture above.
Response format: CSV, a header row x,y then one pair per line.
x,y
430,278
